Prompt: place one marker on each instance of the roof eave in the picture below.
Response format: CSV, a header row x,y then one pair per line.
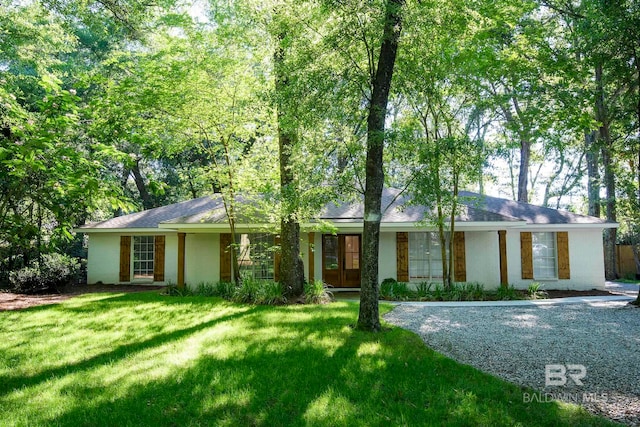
x,y
123,230
573,226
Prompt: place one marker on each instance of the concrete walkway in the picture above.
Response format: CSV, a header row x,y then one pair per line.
x,y
630,289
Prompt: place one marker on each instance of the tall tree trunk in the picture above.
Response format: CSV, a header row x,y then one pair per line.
x,y
593,175
609,176
291,265
523,176
452,225
525,151
369,317
636,255
147,201
229,201
446,277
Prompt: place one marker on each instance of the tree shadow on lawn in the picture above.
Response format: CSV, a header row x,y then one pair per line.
x,y
292,365
311,373
10,383
273,389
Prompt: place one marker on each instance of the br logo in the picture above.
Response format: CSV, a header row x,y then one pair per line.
x,y
556,375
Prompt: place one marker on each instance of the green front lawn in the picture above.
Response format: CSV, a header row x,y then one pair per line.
x,y
146,359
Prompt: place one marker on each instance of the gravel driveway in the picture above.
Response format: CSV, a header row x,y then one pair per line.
x,y
516,342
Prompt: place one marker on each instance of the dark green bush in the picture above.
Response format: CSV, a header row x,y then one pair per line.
x,y
224,290
402,292
177,291
246,292
423,290
386,288
269,293
507,293
54,272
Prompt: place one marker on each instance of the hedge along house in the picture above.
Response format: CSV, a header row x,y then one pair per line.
x,y
496,241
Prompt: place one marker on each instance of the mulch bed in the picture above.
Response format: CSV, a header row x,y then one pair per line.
x,y
591,293
11,301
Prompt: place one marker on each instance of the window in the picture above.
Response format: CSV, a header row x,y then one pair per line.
x,y
256,256
352,252
330,249
425,256
544,255
143,254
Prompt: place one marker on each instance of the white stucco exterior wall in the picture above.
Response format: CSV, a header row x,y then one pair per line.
x,y
482,253
586,258
201,259
170,259
103,258
586,261
387,264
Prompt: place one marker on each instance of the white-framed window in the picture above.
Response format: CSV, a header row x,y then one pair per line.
x,y
425,256
545,255
143,255
256,255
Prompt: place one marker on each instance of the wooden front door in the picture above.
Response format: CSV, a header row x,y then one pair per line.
x,y
341,260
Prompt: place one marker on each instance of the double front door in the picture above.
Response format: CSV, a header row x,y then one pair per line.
x,y
341,260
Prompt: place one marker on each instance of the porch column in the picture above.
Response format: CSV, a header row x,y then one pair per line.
x,y
502,242
181,260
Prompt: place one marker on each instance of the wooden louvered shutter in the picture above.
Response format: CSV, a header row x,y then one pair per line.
x,y
402,257
158,259
526,254
562,240
181,241
459,257
502,243
125,258
225,257
276,260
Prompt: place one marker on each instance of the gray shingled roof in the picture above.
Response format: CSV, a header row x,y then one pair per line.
x,y
153,217
396,209
525,212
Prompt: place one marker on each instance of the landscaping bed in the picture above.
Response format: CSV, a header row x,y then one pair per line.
x,y
13,301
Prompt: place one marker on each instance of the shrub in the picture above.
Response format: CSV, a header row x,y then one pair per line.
x,y
507,293
53,273
246,292
177,291
456,292
224,290
205,290
536,292
401,291
269,293
473,292
317,292
386,288
438,292
423,290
